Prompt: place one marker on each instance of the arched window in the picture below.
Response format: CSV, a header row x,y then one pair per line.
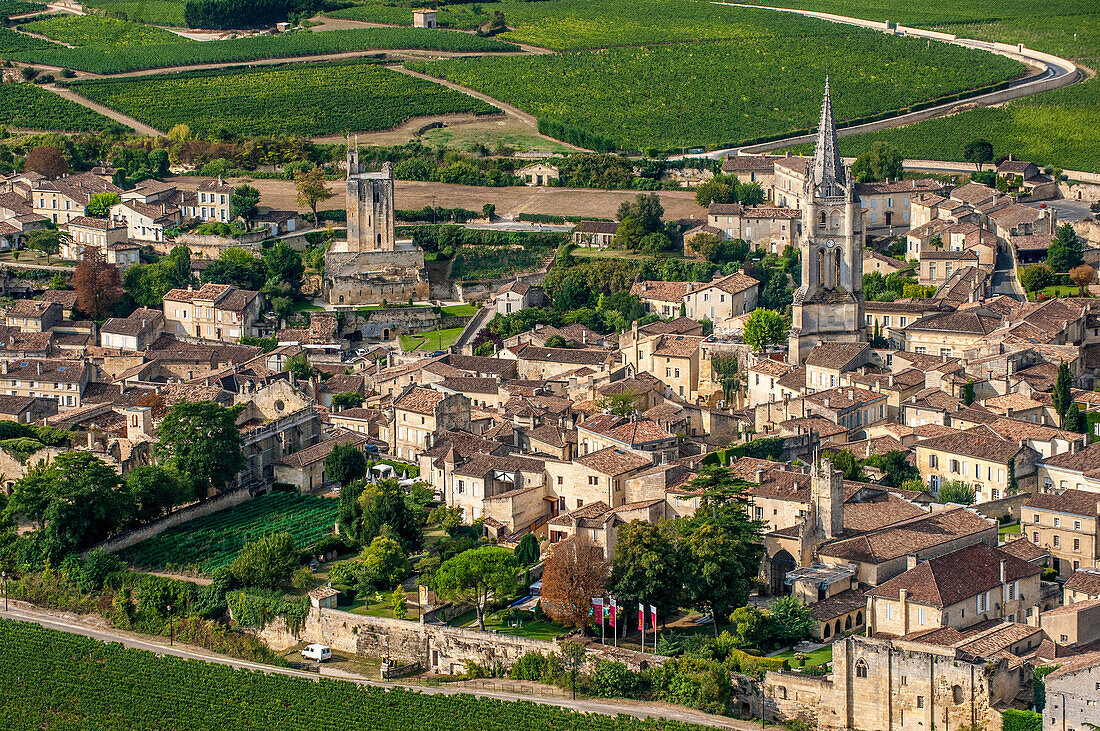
x,y
834,221
861,669
859,618
821,220
827,632
821,267
848,622
838,626
836,270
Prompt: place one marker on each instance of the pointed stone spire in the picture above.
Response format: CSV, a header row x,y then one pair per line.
x,y
828,168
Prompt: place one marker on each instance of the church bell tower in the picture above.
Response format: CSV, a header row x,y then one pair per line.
x,y
828,307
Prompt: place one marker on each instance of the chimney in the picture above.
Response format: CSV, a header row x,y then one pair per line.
x,y
1003,573
39,366
827,400
851,395
584,335
3,366
903,595
911,561
891,379
758,476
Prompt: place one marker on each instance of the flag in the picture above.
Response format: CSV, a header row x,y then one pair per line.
x,y
614,612
653,615
597,601
641,616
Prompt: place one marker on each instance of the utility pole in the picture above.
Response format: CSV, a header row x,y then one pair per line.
x,y
171,628
4,574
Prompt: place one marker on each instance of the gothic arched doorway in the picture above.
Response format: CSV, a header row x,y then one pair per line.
x,y
781,564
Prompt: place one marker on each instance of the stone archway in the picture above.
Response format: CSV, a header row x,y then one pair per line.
x,y
781,563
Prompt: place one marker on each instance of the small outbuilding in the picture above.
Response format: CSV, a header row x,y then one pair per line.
x,y
323,597
425,18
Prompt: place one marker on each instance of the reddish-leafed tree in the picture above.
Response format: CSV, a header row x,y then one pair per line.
x,y
1082,276
97,284
47,160
575,571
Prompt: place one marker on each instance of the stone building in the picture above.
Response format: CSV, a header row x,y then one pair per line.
x,y
1072,690
371,265
1067,525
829,304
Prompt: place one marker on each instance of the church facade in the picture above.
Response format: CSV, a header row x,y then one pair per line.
x,y
371,265
828,307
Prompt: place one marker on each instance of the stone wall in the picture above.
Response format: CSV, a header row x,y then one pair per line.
x,y
220,502
1009,505
438,648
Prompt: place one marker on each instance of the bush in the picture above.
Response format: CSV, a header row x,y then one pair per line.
x,y
1015,720
615,679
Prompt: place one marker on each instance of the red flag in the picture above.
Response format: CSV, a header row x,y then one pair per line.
x,y
614,613
653,615
641,616
597,608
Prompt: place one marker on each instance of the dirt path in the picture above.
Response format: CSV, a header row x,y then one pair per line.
x,y
130,122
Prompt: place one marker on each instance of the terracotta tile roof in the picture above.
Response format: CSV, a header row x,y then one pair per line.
x,y
973,193
14,405
614,461
207,292
585,515
678,346
972,323
949,579
819,424
906,185
419,400
748,164
1073,502
679,326
47,370
1023,549
343,383
976,442
769,367
319,451
482,365
901,381
140,320
734,283
1017,429
1086,581
28,308
658,290
478,465
844,397
597,227
471,384
1073,608
1081,662
837,605
911,536
795,380
836,355
1010,401
565,355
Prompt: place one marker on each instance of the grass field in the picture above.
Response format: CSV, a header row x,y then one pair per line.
x,y
214,540
1004,530
434,340
460,310
820,656
295,99
27,106
60,681
668,96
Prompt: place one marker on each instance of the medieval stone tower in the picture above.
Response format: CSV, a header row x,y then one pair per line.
x,y
825,521
828,307
369,202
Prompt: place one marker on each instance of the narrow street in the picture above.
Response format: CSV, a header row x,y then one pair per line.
x,y
1004,279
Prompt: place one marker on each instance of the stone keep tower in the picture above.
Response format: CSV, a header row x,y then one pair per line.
x,y
825,521
828,307
369,202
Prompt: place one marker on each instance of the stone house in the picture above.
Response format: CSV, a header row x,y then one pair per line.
x,y
979,458
358,420
146,221
1079,470
66,198
1031,180
137,331
26,409
767,227
661,298
759,169
596,476
1082,586
789,184
425,18
762,381
516,295
1018,220
97,233
937,266
965,587
1067,526
469,482
1073,625
535,363
595,233
419,414
278,419
211,202
539,173
61,380
675,360
950,334
212,312
305,469
600,523
828,362
640,435
723,298
1071,694
33,316
886,204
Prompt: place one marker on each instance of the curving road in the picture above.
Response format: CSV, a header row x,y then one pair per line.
x,y
1054,72
156,644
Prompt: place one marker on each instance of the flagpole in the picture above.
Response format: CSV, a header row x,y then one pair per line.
x,y
603,625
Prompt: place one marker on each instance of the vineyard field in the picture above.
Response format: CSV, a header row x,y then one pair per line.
x,y
711,94
158,12
214,540
28,107
105,57
19,7
305,99
64,681
90,30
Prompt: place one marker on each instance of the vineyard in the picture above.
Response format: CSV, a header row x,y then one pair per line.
x,y
29,107
485,262
89,30
63,681
212,541
106,57
18,7
159,12
711,94
302,99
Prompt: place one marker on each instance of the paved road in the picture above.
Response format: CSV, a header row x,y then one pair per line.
x,y
156,644
1052,67
1004,279
1067,210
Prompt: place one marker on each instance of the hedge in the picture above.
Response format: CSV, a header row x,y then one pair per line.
x,y
1014,720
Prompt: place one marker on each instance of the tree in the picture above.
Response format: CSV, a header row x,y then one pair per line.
x,y
764,327
750,628
978,152
1082,276
244,202
895,468
955,491
619,404
312,189
475,576
268,562
48,161
789,621
654,243
1065,251
1036,277
489,211
47,240
723,561
399,602
847,463
572,653
238,267
201,439
76,500
1074,420
154,490
881,162
384,504
346,399
385,562
179,132
630,233
97,283
346,462
99,205
1062,394
284,264
647,209
527,552
148,283
646,567
575,571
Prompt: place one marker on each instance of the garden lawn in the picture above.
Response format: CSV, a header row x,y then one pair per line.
x,y
1005,530
1061,290
460,310
821,656
295,99
668,97
434,340
26,106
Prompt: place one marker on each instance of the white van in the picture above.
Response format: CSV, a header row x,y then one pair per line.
x,y
320,653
